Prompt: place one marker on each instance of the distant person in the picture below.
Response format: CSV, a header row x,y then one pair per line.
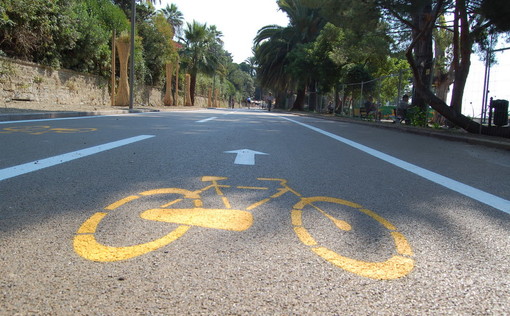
x,y
248,102
330,107
370,107
402,108
269,99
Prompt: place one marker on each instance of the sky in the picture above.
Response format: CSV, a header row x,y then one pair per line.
x,y
238,20
499,82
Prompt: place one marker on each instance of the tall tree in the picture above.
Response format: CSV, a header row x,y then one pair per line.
x,y
273,45
271,49
415,16
175,18
71,34
158,47
202,51
443,54
251,65
497,12
469,26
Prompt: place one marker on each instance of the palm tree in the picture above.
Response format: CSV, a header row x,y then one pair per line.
x,y
202,51
274,43
271,49
175,18
252,64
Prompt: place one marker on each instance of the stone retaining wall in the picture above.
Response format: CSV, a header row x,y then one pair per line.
x,y
27,82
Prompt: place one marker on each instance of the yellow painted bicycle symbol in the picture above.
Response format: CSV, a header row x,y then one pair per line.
x,y
44,129
186,209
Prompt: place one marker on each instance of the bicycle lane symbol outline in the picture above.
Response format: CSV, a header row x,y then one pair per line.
x,y
44,129
86,245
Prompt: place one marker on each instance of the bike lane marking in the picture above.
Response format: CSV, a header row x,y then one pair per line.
x,y
395,267
86,245
237,220
15,171
43,129
464,189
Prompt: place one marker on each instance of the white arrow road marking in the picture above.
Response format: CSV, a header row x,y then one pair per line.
x,y
245,156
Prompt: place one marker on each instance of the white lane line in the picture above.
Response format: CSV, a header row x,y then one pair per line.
x,y
53,119
476,194
207,119
55,160
75,117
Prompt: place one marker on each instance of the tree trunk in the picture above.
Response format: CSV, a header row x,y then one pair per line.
x,y
312,103
462,46
192,87
459,119
300,100
443,83
114,58
449,112
176,96
423,50
187,96
168,100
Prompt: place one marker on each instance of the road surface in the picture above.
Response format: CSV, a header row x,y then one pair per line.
x,y
247,212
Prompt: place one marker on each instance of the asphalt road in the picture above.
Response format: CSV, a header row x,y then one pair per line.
x,y
224,212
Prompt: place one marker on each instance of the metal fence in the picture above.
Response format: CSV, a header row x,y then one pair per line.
x,y
350,99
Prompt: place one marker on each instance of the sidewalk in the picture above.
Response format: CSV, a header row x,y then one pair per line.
x,y
448,134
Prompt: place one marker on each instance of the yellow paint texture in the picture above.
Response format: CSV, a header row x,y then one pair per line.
x,y
296,217
88,247
211,179
257,204
226,202
227,219
304,236
172,203
186,193
252,188
340,224
90,225
402,245
119,203
393,268
378,218
308,200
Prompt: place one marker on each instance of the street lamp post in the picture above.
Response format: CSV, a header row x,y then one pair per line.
x,y
132,60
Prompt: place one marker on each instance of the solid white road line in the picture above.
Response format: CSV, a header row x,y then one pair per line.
x,y
476,194
207,119
52,119
52,161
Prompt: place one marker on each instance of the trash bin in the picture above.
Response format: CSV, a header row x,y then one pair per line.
x,y
500,112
